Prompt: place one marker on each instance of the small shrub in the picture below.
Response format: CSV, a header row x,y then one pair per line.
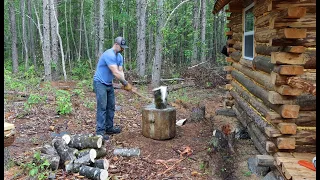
x,y
64,102
89,105
34,99
79,93
39,168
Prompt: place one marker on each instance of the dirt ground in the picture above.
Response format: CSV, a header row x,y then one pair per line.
x,y
33,130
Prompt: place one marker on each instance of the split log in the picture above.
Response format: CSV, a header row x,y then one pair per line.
x,y
288,58
236,56
286,143
84,160
286,111
93,173
48,149
308,22
287,128
292,13
250,111
83,141
53,160
264,49
263,63
288,69
101,164
241,115
67,155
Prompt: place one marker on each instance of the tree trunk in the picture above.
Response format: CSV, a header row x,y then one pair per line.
x,y
80,30
96,30
156,69
14,49
60,41
93,173
85,141
101,27
54,40
86,40
196,18
31,34
203,31
24,35
71,31
68,53
46,41
141,33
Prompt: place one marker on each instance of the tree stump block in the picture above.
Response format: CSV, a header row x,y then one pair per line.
x,y
159,124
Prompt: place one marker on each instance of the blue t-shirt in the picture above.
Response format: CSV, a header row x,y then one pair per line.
x,y
103,73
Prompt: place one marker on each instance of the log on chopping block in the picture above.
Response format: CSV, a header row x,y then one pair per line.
x,y
84,160
101,164
93,173
83,141
285,110
67,154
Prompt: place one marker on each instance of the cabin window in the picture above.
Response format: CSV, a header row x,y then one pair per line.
x,y
248,32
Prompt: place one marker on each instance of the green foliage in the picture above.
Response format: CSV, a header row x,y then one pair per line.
x,y
64,102
247,173
202,166
81,71
79,93
12,83
89,104
34,99
39,168
85,84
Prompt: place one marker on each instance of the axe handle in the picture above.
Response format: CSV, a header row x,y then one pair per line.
x,y
137,93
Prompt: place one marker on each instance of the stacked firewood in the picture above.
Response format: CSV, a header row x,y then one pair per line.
x,y
81,154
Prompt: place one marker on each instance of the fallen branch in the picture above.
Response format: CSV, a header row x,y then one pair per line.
x,y
171,167
197,65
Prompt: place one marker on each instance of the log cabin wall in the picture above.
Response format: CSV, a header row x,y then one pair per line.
x,y
275,93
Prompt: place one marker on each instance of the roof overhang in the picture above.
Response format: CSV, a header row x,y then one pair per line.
x,y
219,5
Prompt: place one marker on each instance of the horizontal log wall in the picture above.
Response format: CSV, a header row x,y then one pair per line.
x,y
276,91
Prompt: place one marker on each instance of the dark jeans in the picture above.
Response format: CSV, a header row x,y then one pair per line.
x,y
105,106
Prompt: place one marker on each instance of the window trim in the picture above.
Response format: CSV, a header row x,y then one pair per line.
x,y
247,33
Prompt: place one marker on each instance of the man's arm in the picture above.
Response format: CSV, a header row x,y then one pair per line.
x,y
118,73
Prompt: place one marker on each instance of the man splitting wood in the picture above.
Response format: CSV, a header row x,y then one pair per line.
x,y
110,65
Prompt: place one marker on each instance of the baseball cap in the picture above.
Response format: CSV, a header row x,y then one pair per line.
x,y
121,41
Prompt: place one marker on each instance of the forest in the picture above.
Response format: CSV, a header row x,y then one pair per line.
x,y
62,40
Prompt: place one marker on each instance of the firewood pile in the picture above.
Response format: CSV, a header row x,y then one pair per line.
x,y
79,153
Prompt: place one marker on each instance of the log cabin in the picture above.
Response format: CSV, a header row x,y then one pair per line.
x,y
272,62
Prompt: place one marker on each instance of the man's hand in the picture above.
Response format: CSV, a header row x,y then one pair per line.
x,y
127,87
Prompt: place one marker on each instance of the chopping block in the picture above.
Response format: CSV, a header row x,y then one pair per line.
x,y
159,124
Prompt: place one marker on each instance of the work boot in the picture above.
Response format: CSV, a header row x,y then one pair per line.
x,y
104,136
113,130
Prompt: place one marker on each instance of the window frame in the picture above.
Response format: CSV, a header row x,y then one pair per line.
x,y
247,33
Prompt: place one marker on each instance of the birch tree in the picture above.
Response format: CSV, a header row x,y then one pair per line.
x,y
141,34
156,68
46,41
101,27
203,30
196,18
54,40
14,50
24,34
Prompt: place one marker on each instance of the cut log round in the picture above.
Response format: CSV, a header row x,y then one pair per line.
x,y
101,152
66,138
93,173
66,154
101,164
84,160
85,141
48,149
126,152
